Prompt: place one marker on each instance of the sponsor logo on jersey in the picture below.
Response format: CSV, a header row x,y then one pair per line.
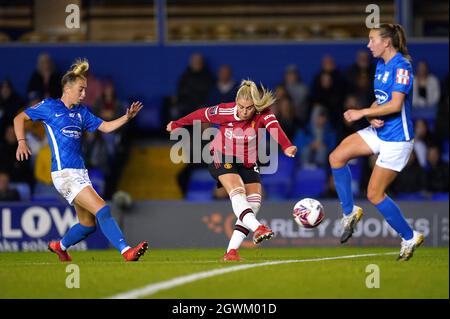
x,y
71,131
381,96
268,116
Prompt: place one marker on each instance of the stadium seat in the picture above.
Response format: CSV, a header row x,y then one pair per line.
x,y
410,196
276,186
98,180
200,186
23,189
309,183
445,151
150,116
355,168
440,197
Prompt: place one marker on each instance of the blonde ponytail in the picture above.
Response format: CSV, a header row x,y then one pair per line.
x,y
78,70
249,91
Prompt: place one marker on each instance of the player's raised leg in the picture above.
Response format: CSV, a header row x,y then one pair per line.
x,y
91,201
76,233
240,231
379,181
235,188
351,147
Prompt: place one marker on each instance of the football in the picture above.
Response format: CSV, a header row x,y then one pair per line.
x,y
308,213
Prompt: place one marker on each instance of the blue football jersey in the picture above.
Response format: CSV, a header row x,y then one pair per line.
x,y
64,129
395,76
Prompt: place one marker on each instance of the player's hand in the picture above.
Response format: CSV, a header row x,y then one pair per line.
x,y
134,109
290,151
376,123
353,115
169,127
23,151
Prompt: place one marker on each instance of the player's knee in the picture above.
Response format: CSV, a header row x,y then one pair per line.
x,y
374,196
335,159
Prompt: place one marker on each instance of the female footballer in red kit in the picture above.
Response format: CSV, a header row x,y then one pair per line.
x,y
235,155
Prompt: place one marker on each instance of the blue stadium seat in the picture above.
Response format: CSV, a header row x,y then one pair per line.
x,y
276,186
440,197
445,151
98,180
410,196
201,186
309,182
150,116
23,189
356,169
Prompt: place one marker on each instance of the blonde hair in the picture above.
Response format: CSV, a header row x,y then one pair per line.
x,y
78,70
249,91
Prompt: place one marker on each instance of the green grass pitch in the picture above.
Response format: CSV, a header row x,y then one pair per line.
x,y
104,274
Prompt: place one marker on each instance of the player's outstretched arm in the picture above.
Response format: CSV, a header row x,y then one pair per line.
x,y
23,151
132,111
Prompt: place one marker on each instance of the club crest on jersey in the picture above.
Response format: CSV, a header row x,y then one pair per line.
x,y
227,166
381,96
213,110
402,76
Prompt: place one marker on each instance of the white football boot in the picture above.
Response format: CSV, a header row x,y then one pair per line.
x,y
408,246
349,223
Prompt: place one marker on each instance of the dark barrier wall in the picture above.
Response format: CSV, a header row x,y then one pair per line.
x,y
179,224
183,224
152,71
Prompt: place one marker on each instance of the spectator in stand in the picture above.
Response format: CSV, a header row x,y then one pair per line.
x,y
193,87
437,172
422,139
45,80
10,102
442,118
95,89
298,91
285,112
317,141
426,87
329,91
107,105
359,77
18,171
412,179
7,194
226,88
351,102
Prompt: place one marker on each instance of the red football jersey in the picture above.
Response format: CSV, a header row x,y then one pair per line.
x,y
237,137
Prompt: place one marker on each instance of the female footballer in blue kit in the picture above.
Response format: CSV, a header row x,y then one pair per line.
x,y
64,120
390,135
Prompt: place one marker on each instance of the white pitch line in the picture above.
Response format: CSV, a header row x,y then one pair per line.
x,y
178,281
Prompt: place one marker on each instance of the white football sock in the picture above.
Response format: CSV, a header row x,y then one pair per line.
x,y
242,208
238,236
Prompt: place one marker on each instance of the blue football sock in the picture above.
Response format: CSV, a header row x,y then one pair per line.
x,y
394,217
343,182
76,234
110,228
